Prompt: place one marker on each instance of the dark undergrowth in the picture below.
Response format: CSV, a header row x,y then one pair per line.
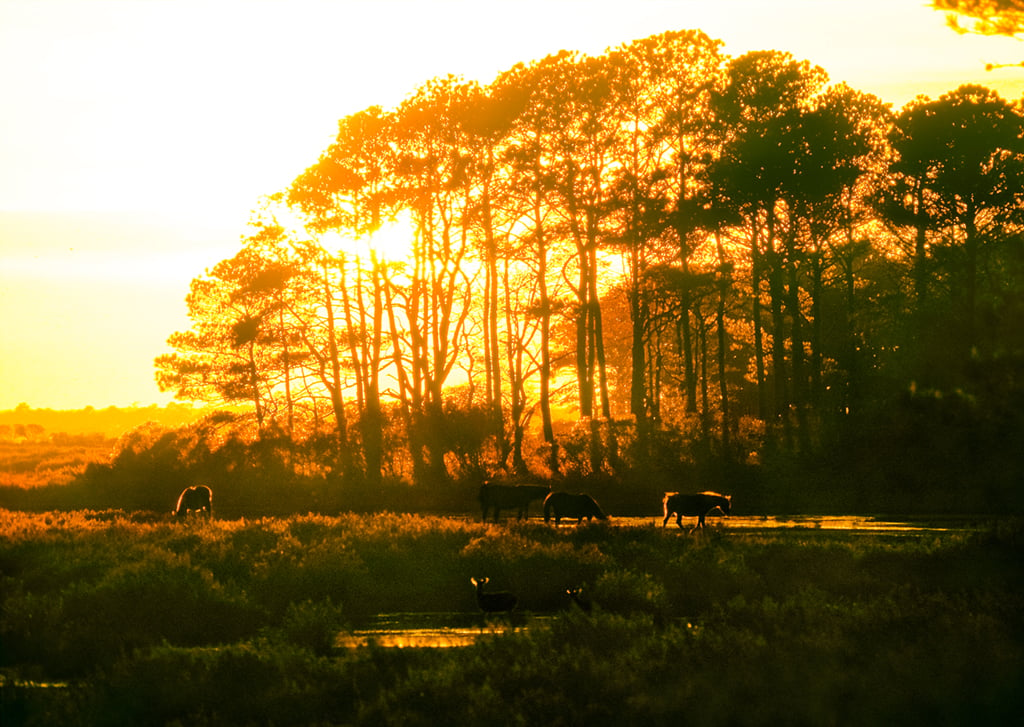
x,y
234,623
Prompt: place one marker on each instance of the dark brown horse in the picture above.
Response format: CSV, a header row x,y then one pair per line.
x,y
510,497
565,504
698,506
195,500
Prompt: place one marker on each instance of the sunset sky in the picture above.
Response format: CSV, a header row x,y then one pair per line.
x,y
135,137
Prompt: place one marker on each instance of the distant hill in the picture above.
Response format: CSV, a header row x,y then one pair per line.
x,y
25,423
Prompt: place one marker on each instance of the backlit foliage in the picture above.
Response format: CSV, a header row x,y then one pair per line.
x,y
656,242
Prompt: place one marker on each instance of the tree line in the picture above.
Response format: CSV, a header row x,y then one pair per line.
x,y
24,423
658,251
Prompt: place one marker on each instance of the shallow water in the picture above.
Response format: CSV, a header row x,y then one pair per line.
x,y
432,630
809,522
714,521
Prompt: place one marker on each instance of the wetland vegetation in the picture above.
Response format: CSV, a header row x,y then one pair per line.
x,y
238,622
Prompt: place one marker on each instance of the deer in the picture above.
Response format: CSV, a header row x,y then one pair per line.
x,y
580,598
494,602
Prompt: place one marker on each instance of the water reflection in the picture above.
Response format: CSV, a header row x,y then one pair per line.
x,y
861,523
430,630
29,684
408,638
833,522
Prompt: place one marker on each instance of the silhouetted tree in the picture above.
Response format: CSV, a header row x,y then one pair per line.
x,y
658,230
989,17
762,104
956,183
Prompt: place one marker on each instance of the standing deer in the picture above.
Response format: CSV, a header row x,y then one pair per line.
x,y
495,602
580,598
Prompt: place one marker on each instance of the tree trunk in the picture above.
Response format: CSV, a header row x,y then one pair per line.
x,y
598,337
545,356
515,350
756,266
638,364
372,424
409,400
335,384
776,292
492,347
971,244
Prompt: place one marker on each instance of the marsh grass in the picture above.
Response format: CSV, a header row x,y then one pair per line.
x,y
31,465
234,622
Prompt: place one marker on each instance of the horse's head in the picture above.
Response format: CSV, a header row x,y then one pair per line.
x,y
727,504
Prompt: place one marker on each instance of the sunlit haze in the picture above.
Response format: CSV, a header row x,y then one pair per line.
x,y
136,137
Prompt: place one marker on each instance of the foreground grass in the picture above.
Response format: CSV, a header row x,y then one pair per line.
x,y
233,622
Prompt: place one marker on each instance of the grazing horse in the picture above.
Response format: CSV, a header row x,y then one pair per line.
x,y
195,499
564,504
697,506
516,497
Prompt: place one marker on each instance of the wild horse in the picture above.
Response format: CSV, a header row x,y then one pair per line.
x,y
565,504
514,497
195,500
697,506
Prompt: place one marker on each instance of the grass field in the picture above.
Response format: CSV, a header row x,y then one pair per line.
x,y
30,465
236,622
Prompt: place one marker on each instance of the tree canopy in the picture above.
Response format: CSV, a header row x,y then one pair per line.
x,y
660,253
988,17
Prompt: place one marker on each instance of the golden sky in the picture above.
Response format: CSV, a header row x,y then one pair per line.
x,y
136,136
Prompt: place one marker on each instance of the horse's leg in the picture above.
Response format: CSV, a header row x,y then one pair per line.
x,y
679,520
665,521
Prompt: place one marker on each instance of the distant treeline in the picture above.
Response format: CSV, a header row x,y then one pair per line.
x,y
25,424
